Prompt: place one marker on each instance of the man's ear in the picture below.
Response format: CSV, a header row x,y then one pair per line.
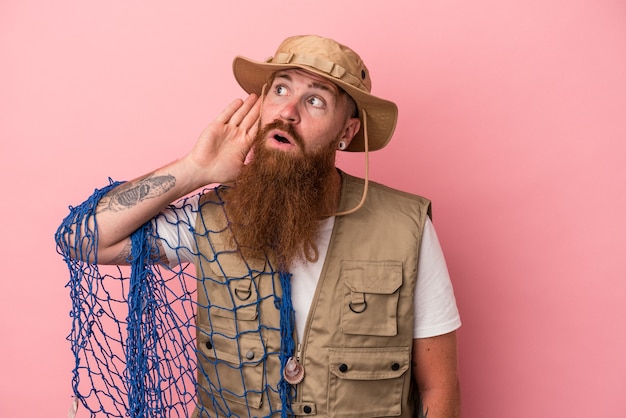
x,y
350,129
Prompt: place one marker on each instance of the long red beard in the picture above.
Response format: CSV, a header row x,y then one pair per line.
x,y
279,199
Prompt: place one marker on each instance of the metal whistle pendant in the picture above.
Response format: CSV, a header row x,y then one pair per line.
x,y
293,371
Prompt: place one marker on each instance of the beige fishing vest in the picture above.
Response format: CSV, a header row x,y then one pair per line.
x,y
356,350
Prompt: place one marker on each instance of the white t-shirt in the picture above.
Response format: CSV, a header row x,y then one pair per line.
x,y
435,309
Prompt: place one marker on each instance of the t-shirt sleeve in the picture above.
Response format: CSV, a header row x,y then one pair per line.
x,y
174,227
436,312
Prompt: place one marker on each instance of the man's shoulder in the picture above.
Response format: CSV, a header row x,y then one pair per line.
x,y
379,190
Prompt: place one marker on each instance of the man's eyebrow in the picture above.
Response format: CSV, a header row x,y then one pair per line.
x,y
329,87
323,86
283,75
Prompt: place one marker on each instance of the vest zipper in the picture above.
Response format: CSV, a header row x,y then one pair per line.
x,y
298,352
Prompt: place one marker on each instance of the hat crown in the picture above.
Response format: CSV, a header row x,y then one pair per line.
x,y
326,55
338,64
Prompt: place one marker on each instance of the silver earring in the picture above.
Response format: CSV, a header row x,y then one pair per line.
x,y
341,145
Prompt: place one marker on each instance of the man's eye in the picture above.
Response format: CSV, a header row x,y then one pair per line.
x,y
316,101
281,90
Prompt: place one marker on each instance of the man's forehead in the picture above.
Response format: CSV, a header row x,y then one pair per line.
x,y
315,79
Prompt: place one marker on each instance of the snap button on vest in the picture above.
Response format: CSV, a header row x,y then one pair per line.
x,y
395,367
250,355
343,367
307,409
209,345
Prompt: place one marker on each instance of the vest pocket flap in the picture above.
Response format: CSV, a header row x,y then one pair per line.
x,y
370,297
245,350
369,363
234,291
377,277
236,299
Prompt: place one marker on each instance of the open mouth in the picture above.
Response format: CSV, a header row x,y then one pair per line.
x,y
281,139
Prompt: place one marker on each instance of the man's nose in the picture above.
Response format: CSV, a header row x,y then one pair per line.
x,y
290,112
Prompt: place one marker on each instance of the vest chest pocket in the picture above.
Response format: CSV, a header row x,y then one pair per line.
x,y
367,382
234,293
370,298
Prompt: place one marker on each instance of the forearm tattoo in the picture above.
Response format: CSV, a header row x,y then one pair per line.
x,y
130,194
124,257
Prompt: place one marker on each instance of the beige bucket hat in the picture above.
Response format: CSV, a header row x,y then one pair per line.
x,y
337,63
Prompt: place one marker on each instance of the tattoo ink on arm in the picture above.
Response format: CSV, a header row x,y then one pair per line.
x,y
123,258
129,194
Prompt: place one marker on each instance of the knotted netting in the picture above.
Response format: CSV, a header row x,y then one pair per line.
x,y
209,331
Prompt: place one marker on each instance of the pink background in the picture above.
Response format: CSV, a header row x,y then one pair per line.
x,y
513,121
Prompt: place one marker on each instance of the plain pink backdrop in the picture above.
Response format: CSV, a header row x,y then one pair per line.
x,y
513,121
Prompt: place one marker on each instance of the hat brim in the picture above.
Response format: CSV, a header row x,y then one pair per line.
x,y
382,114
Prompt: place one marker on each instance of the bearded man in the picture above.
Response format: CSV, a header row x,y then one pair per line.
x,y
319,294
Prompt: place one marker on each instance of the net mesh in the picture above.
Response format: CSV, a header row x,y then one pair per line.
x,y
134,334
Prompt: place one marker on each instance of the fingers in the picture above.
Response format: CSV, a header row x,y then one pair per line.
x,y
237,124
251,117
246,113
251,122
229,111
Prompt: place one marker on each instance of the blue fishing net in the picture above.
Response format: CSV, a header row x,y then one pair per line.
x,y
134,334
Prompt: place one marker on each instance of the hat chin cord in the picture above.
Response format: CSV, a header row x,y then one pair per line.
x,y
262,99
367,166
